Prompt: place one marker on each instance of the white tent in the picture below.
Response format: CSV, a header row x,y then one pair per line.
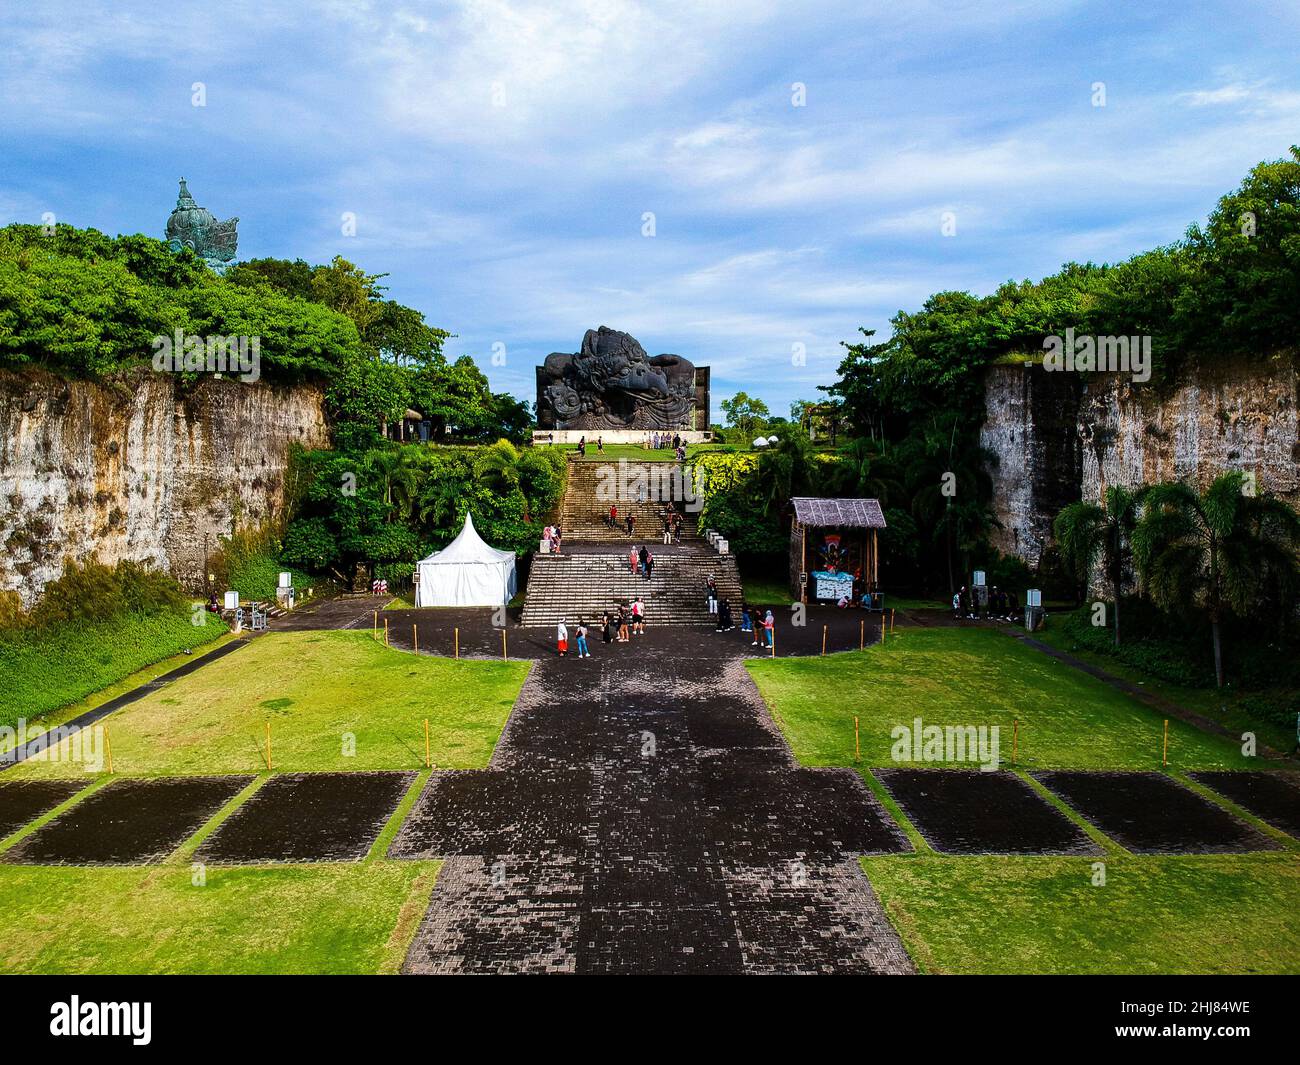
x,y
467,572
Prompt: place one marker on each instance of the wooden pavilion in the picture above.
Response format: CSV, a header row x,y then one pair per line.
x,y
834,548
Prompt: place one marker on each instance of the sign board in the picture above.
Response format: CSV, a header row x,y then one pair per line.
x,y
979,580
1034,597
286,579
232,600
833,585
803,578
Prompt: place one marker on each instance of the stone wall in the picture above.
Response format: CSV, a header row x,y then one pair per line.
x,y
1057,437
140,468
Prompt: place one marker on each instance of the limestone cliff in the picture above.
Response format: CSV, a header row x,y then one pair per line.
x,y
141,467
1058,437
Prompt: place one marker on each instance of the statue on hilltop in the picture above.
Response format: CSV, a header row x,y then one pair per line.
x,y
194,227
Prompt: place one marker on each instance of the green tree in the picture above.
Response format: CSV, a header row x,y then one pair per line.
x,y
745,413
1217,551
1087,531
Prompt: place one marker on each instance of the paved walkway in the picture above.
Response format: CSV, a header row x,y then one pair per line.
x,y
643,814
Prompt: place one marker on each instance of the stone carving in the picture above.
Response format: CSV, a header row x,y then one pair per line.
x,y
611,383
194,227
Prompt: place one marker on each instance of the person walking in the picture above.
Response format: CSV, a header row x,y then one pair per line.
x,y
638,617
649,563
644,556
724,616
632,559
562,638
607,627
769,628
746,622
581,633
613,516
623,613
711,594
631,524
600,445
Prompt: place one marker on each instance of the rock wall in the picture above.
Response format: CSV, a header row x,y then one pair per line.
x,y
1058,437
140,468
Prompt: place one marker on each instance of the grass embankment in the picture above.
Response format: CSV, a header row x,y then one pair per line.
x,y
950,676
335,700
1205,914
46,669
329,918
1230,707
1014,914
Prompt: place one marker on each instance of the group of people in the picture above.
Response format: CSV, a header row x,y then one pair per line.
x,y
617,625
642,562
662,441
554,538
672,524
581,449
999,606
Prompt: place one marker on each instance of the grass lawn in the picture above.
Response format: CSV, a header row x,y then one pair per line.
x,y
1179,914
1221,706
319,690
46,670
972,677
328,918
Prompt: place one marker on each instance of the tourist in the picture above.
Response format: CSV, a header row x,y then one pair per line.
x,y
638,617
711,594
724,617
632,559
607,627
600,445
623,614
613,516
956,605
581,633
769,628
746,620
644,556
562,638
649,562
668,530
631,524
677,441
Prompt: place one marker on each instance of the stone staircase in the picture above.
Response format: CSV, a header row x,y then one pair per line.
x,y
583,584
587,499
593,574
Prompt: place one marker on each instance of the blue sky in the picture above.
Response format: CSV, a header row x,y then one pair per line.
x,y
500,157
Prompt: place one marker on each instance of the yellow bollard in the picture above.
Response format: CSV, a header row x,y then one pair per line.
x,y
1164,757
891,621
415,637
375,630
504,656
882,628
1015,739
386,644
458,643
268,746
773,641
824,628
862,635
857,748
426,743
108,749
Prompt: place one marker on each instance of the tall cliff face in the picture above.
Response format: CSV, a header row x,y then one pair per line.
x,y
140,468
1058,438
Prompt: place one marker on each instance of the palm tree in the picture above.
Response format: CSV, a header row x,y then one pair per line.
x,y
1221,549
785,470
1086,531
394,469
497,467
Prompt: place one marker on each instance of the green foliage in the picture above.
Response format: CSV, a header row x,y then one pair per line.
x,y
52,665
91,591
388,506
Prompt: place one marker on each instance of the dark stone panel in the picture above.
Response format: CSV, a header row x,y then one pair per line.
x,y
23,801
308,817
128,822
1149,813
1272,797
966,811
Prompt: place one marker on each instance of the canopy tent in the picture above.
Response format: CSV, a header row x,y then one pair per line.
x,y
467,572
